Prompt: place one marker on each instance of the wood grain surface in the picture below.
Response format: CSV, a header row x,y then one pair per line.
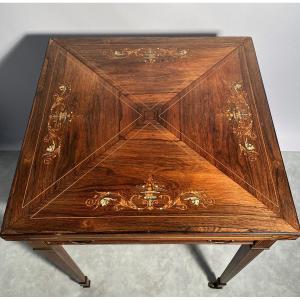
x,y
150,139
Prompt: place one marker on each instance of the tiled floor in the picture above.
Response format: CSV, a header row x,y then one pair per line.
x,y
149,270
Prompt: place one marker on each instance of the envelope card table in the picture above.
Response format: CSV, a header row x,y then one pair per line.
x,y
150,140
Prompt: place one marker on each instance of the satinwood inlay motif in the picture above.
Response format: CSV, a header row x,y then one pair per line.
x,y
148,55
239,114
59,116
151,196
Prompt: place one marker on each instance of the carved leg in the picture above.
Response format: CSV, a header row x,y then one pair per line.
x,y
61,259
242,258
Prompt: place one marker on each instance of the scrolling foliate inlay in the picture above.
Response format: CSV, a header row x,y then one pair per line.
x,y
239,114
57,120
148,55
149,196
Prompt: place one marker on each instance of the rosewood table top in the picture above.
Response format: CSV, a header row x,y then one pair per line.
x,y
150,139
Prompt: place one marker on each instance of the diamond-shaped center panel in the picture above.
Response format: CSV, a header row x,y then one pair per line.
x,y
149,115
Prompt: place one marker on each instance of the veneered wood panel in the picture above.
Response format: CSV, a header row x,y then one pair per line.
x,y
129,164
169,117
129,115
26,157
87,129
97,115
272,149
150,77
206,127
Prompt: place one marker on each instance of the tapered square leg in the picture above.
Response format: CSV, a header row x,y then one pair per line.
x,y
242,258
58,256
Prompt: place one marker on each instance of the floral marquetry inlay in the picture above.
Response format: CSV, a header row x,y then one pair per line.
x,y
147,55
239,114
57,120
149,196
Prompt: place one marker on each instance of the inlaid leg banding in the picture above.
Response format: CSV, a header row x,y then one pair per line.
x,y
242,258
58,256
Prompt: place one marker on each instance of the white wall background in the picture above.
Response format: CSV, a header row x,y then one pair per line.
x,y
24,29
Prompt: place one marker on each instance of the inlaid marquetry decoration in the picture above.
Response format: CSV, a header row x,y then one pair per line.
x,y
58,119
148,55
239,114
149,196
